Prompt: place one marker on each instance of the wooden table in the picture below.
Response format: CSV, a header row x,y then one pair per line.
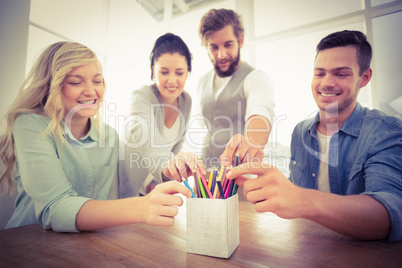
x,y
265,241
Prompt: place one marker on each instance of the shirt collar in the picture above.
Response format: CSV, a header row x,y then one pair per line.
x,y
351,125
312,125
89,140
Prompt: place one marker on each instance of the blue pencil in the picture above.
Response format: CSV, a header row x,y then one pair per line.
x,y
221,193
237,159
214,181
188,186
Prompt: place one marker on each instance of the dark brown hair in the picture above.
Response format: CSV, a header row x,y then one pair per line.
x,y
350,38
216,19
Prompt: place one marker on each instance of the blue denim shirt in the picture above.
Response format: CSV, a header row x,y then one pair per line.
x,y
365,157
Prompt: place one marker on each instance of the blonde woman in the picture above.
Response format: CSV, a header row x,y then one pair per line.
x,y
62,159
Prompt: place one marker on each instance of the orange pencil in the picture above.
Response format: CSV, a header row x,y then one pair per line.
x,y
204,183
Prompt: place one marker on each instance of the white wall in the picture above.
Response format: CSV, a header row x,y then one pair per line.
x,y
387,43
286,34
13,46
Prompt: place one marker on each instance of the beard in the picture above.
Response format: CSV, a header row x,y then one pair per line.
x,y
232,67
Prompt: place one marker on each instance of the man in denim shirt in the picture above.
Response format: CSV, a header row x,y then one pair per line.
x,y
346,163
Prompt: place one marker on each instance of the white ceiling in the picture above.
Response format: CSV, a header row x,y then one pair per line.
x,y
156,8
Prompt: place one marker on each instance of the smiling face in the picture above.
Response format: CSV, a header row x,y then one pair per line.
x,y
224,51
171,72
336,81
82,91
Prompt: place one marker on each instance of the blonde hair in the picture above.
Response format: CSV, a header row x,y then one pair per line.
x,y
40,93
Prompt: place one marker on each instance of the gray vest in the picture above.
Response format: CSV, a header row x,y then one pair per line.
x,y
225,116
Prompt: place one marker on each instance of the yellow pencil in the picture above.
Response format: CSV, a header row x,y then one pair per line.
x,y
211,176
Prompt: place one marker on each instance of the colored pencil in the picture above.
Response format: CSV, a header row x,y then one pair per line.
x,y
221,193
236,163
202,189
211,175
205,186
188,186
214,182
237,159
225,180
235,187
197,186
228,189
219,179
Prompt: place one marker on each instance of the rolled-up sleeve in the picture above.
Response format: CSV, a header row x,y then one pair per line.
x,y
393,204
383,175
63,220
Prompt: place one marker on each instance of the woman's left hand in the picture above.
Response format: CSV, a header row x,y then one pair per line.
x,y
183,165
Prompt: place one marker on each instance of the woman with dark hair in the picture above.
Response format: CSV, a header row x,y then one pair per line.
x,y
159,115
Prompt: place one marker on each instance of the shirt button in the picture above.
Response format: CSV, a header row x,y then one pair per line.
x,y
294,162
315,153
313,174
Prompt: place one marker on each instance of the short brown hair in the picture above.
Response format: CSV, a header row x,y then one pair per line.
x,y
216,19
350,38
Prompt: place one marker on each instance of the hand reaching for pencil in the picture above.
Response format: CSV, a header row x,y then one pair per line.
x,y
271,191
183,165
161,205
244,147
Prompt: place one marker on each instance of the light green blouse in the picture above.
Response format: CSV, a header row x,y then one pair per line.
x,y
54,182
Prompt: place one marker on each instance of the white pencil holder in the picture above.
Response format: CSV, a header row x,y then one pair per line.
x,y
213,226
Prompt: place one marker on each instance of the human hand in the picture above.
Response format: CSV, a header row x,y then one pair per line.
x,y
247,150
161,205
183,165
271,191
